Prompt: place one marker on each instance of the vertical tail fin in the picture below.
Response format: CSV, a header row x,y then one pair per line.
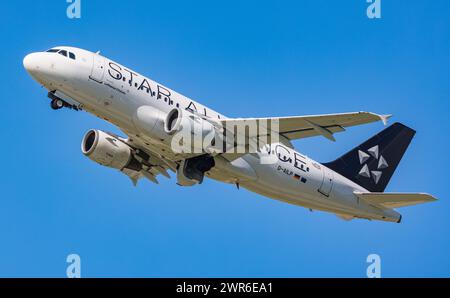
x,y
372,163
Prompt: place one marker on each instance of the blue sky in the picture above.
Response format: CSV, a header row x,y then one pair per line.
x,y
258,58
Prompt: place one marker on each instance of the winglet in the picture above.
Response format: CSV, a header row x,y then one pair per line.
x,y
384,118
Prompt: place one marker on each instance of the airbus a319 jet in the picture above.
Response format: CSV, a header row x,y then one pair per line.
x,y
151,115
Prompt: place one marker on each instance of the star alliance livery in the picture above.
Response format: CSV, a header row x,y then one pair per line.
x,y
167,131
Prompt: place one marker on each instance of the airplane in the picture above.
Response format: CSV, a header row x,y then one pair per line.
x,y
151,115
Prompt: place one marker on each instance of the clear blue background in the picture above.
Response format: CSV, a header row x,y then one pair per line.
x,y
256,58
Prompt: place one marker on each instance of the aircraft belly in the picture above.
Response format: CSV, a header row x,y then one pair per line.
x,y
282,181
312,203
300,200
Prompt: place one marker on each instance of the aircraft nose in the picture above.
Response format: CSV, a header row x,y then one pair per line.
x,y
30,62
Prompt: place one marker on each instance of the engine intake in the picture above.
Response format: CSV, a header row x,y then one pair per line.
x,y
109,151
189,131
173,121
177,120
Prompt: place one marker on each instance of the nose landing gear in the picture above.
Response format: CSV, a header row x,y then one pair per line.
x,y
57,104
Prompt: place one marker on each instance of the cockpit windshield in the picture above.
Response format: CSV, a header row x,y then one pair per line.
x,y
63,52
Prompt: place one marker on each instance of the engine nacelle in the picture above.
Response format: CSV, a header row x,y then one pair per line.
x,y
191,130
177,120
108,151
150,121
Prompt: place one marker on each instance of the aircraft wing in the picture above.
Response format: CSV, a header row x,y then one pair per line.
x,y
152,163
394,200
151,168
298,127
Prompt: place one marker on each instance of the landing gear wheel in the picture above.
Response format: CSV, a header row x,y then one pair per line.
x,y
56,104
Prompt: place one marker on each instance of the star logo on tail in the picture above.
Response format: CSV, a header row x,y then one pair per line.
x,y
372,152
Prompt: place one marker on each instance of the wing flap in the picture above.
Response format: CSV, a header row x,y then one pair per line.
x,y
297,127
344,216
395,200
310,132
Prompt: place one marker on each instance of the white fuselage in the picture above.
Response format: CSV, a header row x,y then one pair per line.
x,y
114,92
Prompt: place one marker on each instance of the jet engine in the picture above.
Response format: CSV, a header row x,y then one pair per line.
x,y
150,121
185,132
190,131
109,151
177,120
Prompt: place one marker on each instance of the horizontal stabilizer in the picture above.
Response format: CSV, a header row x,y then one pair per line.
x,y
394,200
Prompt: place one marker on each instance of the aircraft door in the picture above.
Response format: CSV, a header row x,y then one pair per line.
x,y
98,68
327,182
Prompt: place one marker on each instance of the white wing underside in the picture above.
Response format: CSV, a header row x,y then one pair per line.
x,y
152,166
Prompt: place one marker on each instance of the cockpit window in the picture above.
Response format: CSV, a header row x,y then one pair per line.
x,y
63,53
